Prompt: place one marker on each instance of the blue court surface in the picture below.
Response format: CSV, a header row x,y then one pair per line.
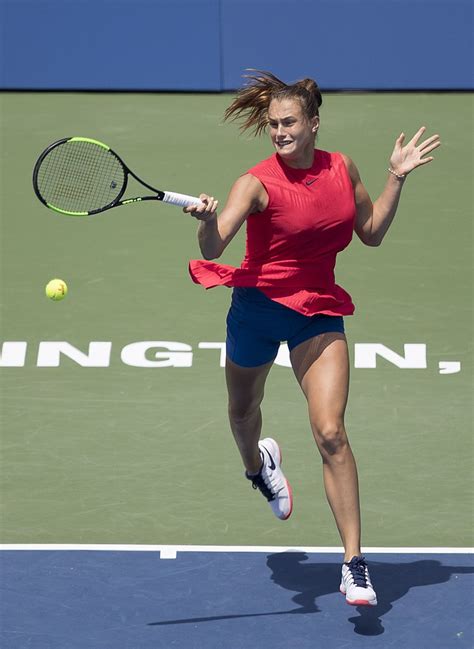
x,y
67,599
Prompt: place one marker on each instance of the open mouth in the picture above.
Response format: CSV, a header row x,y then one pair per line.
x,y
283,143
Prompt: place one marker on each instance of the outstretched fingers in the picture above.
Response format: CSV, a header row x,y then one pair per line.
x,y
401,139
410,155
430,144
417,136
423,161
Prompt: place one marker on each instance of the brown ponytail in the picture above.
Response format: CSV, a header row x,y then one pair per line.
x,y
252,101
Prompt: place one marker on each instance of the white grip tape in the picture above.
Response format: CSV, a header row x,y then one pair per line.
x,y
183,200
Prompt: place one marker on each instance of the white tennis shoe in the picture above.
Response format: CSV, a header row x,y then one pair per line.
x,y
271,481
356,584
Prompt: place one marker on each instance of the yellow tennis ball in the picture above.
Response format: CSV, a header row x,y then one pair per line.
x,y
56,289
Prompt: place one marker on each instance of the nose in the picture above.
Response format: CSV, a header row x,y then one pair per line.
x,y
279,130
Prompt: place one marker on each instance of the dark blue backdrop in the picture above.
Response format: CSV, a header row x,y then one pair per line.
x,y
206,44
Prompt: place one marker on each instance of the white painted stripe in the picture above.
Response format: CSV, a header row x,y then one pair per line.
x,y
170,551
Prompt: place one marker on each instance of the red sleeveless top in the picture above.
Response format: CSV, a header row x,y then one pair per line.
x,y
292,245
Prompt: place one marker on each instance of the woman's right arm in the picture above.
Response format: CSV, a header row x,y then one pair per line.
x,y
215,232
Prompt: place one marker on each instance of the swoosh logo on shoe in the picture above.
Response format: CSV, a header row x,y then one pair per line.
x,y
272,463
311,181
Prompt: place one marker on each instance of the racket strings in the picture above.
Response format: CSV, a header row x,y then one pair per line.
x,y
80,176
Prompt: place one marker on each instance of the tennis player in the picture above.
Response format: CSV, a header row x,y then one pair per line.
x,y
301,206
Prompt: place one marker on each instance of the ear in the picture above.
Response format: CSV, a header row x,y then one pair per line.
x,y
315,124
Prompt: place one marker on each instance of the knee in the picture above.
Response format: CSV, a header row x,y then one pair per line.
x,y
330,437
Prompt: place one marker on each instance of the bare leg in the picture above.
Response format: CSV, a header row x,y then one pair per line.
x,y
245,387
321,366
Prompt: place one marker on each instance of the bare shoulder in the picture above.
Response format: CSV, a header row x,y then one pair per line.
x,y
249,184
248,190
351,168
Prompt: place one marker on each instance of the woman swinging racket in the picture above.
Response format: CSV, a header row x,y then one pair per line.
x,y
301,206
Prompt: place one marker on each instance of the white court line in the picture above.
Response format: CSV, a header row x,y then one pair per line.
x,y
170,551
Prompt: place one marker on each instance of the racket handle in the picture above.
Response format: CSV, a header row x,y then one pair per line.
x,y
183,200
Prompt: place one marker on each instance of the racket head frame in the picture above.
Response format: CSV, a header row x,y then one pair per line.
x,y
159,195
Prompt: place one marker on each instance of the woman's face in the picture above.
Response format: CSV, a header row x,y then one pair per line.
x,y
291,132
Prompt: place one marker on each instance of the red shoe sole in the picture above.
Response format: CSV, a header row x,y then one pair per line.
x,y
358,602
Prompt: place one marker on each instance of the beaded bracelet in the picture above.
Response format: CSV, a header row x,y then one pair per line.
x,y
394,173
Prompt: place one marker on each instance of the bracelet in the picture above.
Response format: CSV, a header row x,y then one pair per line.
x,y
394,173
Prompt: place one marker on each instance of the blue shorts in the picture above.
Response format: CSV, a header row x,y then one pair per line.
x,y
257,325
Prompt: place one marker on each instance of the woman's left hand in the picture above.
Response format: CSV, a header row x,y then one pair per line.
x,y
406,158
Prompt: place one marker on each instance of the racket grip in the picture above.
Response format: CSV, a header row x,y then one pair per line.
x,y
183,200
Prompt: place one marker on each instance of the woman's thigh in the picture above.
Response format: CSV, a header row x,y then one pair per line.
x,y
321,366
245,386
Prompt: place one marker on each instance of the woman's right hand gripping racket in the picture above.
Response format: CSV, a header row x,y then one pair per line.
x,y
80,176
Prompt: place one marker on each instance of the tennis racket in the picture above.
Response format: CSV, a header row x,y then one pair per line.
x,y
80,176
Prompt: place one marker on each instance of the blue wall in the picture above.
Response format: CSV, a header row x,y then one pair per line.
x,y
206,44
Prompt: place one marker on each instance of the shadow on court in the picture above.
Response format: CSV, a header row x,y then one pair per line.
x,y
312,581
